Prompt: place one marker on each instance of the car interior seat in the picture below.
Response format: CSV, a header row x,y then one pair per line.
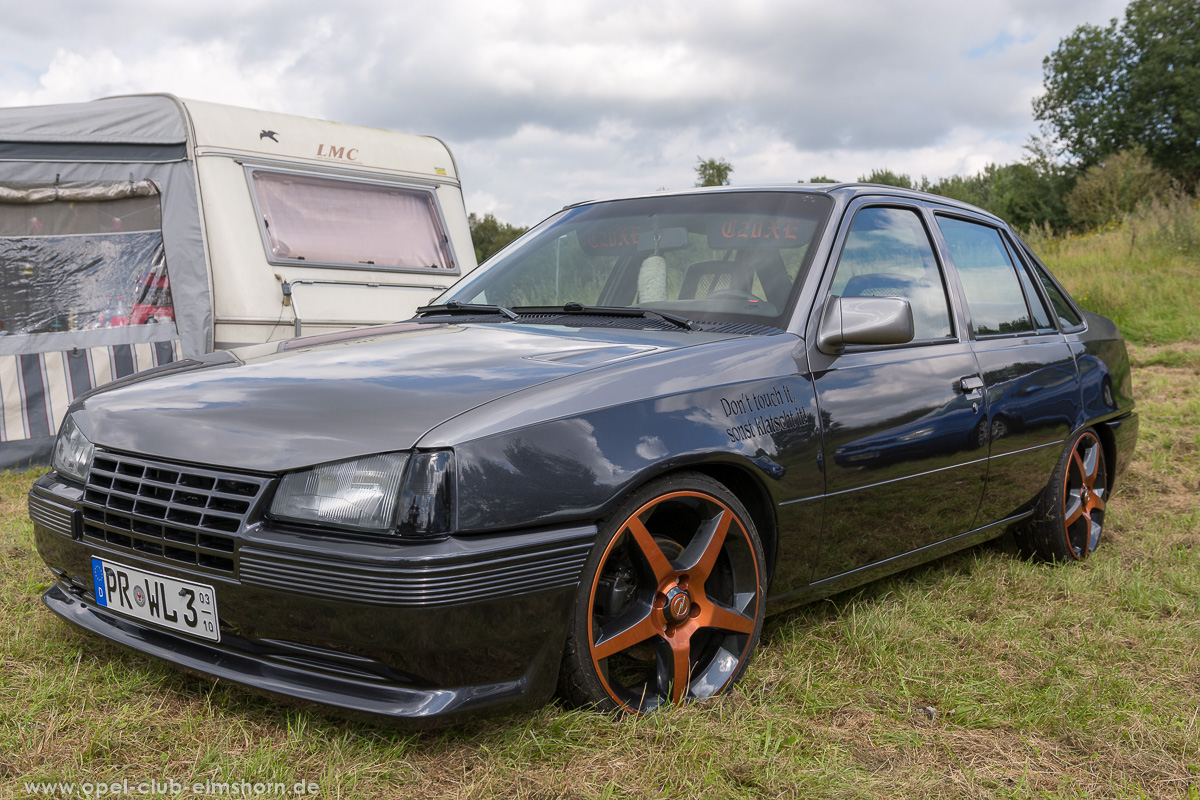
x,y
705,278
879,284
767,265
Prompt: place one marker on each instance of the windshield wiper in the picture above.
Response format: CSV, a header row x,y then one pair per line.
x,y
455,307
615,311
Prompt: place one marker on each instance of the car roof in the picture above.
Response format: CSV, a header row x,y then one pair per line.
x,y
844,192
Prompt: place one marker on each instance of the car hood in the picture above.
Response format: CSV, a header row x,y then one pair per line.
x,y
325,398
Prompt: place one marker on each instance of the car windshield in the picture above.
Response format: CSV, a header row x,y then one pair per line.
x,y
710,257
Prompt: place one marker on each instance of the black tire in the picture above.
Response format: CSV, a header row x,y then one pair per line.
x,y
671,603
1070,516
979,436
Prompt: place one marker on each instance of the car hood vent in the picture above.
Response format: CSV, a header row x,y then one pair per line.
x,y
593,356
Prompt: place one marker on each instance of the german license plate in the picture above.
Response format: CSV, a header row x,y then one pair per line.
x,y
168,602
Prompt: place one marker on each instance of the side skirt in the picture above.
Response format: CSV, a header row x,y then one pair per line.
x,y
881,569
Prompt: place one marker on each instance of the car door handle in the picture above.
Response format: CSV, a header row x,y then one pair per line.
x,y
972,383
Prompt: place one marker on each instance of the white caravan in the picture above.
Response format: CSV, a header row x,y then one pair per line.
x,y
139,230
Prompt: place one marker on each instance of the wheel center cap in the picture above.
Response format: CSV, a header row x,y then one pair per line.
x,y
678,605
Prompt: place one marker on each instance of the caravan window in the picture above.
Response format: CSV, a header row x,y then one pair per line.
x,y
78,256
323,221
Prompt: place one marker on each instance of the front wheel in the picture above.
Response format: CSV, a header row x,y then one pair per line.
x,y
1071,516
671,603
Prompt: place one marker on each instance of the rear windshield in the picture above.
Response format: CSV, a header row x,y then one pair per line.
x,y
725,256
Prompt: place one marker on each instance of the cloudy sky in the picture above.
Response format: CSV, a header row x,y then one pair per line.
x,y
545,103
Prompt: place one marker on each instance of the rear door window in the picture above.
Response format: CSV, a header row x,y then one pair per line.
x,y
989,278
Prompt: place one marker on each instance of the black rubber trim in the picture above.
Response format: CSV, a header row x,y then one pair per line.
x,y
92,151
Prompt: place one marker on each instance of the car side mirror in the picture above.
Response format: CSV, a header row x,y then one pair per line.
x,y
864,320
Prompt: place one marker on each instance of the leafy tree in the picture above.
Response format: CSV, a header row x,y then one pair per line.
x,y
1026,195
821,179
712,171
489,235
887,178
974,189
1035,194
1030,192
1136,82
1115,187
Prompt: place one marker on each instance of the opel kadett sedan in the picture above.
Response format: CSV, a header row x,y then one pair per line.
x,y
595,464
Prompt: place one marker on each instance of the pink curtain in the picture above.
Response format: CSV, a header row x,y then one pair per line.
x,y
344,222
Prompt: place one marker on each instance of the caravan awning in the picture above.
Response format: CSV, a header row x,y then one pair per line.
x,y
79,192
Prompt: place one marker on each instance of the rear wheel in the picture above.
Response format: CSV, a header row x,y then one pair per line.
x,y
1072,510
671,602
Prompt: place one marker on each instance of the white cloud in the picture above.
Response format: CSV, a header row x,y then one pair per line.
x,y
546,103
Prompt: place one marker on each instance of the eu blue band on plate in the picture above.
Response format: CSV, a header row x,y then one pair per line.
x,y
98,581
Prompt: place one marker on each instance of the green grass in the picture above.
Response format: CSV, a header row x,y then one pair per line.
x,y
1143,273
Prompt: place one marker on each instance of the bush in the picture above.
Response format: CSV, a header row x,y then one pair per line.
x,y
1169,222
1115,187
489,235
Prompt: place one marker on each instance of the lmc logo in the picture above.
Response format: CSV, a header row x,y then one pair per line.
x,y
333,151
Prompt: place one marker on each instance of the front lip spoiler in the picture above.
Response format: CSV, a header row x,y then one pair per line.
x,y
391,701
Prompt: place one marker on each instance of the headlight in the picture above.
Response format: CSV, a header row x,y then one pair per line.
x,y
73,452
365,494
359,494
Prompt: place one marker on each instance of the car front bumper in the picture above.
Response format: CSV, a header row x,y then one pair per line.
x,y
420,631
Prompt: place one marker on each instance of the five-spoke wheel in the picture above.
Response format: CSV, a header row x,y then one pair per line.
x,y
1084,495
672,601
1071,518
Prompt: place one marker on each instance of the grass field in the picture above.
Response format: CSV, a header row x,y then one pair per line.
x,y
981,675
1144,274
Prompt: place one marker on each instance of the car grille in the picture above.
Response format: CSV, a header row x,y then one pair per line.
x,y
182,515
51,515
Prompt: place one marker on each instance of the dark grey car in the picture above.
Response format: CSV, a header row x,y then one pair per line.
x,y
599,461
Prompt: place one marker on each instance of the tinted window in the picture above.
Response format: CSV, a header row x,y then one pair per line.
x,y
710,257
349,223
888,254
1036,305
1062,307
988,276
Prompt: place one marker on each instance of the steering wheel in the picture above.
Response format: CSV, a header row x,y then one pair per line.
x,y
739,294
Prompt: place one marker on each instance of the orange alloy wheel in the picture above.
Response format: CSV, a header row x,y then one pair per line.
x,y
675,606
1069,520
1084,495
